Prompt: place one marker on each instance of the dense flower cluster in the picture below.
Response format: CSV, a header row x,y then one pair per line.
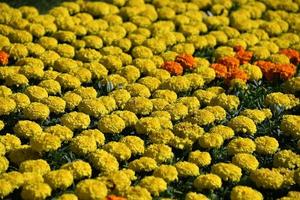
x,y
122,100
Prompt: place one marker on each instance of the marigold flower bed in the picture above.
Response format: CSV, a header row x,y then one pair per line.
x,y
141,100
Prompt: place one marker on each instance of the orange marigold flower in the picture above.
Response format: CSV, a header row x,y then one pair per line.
x,y
292,54
114,197
230,62
267,69
173,67
286,71
221,70
244,56
238,74
187,61
3,58
238,48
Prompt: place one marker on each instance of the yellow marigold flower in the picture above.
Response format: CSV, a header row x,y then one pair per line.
x,y
16,80
178,84
286,101
64,65
138,193
163,136
290,125
242,124
241,145
266,145
160,74
279,59
151,83
118,150
2,149
14,177
196,80
36,111
130,72
97,69
72,100
121,97
117,181
60,178
36,93
225,131
253,71
159,104
137,89
50,74
5,188
288,176
139,105
204,97
65,50
267,178
159,152
228,102
141,52
154,185
177,111
79,169
143,164
104,161
63,132
7,106
202,117
27,129
4,164
147,125
22,153
201,159
68,81
129,118
243,193
10,142
112,124
211,140
67,196
208,181
45,142
99,137
48,43
36,191
49,57
83,144
188,130
245,161
2,125
75,120
167,172
5,91
186,169
32,177
168,95
91,189
227,171
55,104
286,159
38,166
22,100
51,86
16,51
256,115
92,107
293,84
145,65
181,143
195,196
134,143
161,114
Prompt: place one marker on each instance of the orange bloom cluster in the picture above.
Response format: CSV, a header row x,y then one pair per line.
x,y
243,55
186,61
273,71
114,197
228,68
292,54
3,58
173,67
182,62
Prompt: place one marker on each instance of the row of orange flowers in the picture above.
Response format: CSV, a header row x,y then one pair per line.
x,y
228,67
